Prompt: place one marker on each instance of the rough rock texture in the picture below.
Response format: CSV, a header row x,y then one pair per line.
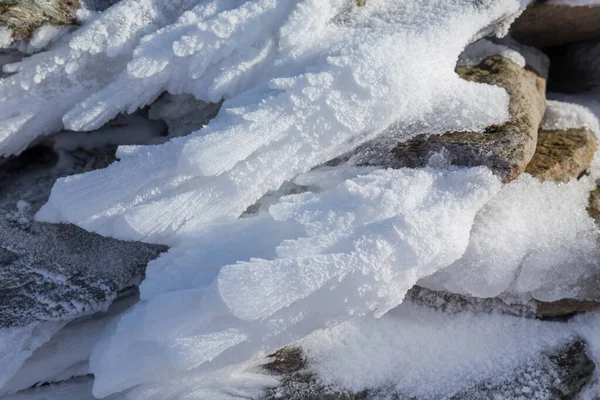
x,y
559,374
562,155
565,308
545,25
594,203
505,148
56,272
23,17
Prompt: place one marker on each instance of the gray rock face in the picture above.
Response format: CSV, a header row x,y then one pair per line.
x,y
545,25
56,272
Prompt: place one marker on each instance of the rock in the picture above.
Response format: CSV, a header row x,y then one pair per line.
x,y
562,155
505,148
23,17
545,25
183,113
565,308
57,272
575,67
594,203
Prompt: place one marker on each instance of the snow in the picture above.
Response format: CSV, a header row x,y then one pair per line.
x,y
17,344
561,115
484,48
522,240
358,247
321,90
321,251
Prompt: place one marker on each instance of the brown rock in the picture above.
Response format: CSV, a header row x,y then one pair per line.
x,y
505,148
545,25
23,17
562,155
594,204
565,308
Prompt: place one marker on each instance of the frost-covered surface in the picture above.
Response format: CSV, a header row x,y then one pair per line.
x,y
66,353
302,82
50,274
560,115
333,78
357,247
523,240
484,48
481,356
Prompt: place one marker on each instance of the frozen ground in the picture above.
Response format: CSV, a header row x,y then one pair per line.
x,y
322,253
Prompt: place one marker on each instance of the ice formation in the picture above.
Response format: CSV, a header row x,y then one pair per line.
x,y
357,247
303,81
334,77
523,238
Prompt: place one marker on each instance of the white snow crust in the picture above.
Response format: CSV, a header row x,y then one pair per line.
x,y
358,248
314,81
303,82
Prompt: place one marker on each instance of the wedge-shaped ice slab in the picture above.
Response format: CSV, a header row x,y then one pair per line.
x,y
305,81
245,287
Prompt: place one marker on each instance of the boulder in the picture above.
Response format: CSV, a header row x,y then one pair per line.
x,y
562,155
545,25
23,17
505,148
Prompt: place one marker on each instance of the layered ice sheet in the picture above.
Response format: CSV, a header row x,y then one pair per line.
x,y
304,82
243,288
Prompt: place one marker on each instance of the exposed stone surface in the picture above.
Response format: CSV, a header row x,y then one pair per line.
x,y
565,308
23,17
594,204
559,374
56,272
545,25
505,148
562,155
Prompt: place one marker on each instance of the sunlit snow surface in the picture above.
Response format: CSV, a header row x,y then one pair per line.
x,y
304,81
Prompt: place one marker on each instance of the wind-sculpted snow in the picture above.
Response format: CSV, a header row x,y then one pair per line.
x,y
46,85
304,82
532,238
243,288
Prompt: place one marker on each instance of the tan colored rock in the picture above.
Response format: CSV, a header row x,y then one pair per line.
x,y
23,17
545,25
565,308
505,148
562,155
594,204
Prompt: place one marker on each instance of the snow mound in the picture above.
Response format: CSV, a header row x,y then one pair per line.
x,y
358,248
561,116
533,237
453,353
303,82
